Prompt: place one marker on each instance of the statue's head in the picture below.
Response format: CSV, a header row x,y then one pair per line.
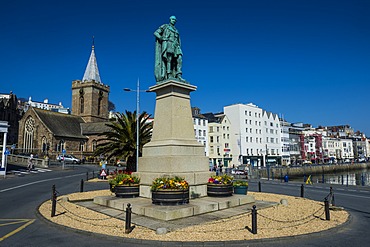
x,y
173,19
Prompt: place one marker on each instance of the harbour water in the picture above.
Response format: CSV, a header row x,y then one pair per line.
x,y
354,177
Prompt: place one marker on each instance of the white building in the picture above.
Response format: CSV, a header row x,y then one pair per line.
x,y
259,135
45,105
285,142
200,128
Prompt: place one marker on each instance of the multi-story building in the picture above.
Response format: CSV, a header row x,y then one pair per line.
x,y
259,135
285,142
45,105
10,113
200,128
219,140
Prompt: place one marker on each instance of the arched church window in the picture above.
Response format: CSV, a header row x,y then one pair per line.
x,y
82,146
29,129
99,101
44,144
82,104
94,145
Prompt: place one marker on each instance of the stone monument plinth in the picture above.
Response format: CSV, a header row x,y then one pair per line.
x,y
173,149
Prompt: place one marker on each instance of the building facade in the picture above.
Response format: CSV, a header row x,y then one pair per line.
x,y
46,132
258,132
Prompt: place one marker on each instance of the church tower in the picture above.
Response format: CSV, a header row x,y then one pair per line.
x,y
90,96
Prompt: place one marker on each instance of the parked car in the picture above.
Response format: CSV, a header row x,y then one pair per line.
x,y
69,158
238,172
121,162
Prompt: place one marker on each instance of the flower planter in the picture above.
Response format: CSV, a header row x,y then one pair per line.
x,y
219,190
170,197
127,191
241,190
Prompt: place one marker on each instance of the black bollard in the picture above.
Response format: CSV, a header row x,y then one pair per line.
x,y
323,178
259,186
281,177
362,179
128,227
53,200
342,179
254,220
327,212
302,190
87,176
93,174
82,186
347,180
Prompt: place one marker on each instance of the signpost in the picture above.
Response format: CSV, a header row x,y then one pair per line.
x,y
63,153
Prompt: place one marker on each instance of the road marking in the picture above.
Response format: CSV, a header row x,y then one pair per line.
x,y
27,223
43,170
41,181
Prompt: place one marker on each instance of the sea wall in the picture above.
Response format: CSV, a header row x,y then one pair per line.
x,y
299,171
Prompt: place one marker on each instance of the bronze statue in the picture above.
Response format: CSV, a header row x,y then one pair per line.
x,y
168,54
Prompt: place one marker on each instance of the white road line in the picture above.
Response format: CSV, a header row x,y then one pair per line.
x,y
41,181
43,170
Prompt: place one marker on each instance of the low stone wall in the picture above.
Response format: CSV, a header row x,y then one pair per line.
x,y
23,161
278,172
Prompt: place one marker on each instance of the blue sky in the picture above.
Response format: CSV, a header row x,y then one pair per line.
x,y
308,60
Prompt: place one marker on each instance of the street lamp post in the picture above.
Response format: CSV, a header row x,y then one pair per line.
x,y
137,117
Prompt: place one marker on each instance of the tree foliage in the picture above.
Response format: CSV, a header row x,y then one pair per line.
x,y
120,141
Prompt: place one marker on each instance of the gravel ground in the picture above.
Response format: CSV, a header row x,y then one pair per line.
x,y
300,216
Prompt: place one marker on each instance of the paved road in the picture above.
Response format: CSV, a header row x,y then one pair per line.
x,y
20,225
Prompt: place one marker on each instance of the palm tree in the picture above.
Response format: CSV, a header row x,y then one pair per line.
x,y
120,141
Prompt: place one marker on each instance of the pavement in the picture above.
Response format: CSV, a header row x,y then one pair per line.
x,y
174,224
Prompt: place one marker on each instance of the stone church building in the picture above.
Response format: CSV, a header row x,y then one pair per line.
x,y
45,132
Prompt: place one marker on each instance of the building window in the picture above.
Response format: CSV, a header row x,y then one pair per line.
x,y
99,106
200,133
246,130
226,145
82,146
94,145
246,139
271,124
82,104
29,129
204,133
211,139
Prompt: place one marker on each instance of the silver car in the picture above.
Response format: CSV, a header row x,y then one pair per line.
x,y
68,158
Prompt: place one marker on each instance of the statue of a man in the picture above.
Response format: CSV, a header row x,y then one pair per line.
x,y
168,54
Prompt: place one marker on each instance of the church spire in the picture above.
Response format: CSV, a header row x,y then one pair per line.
x,y
92,71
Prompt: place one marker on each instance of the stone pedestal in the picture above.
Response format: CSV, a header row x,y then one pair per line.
x,y
173,150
